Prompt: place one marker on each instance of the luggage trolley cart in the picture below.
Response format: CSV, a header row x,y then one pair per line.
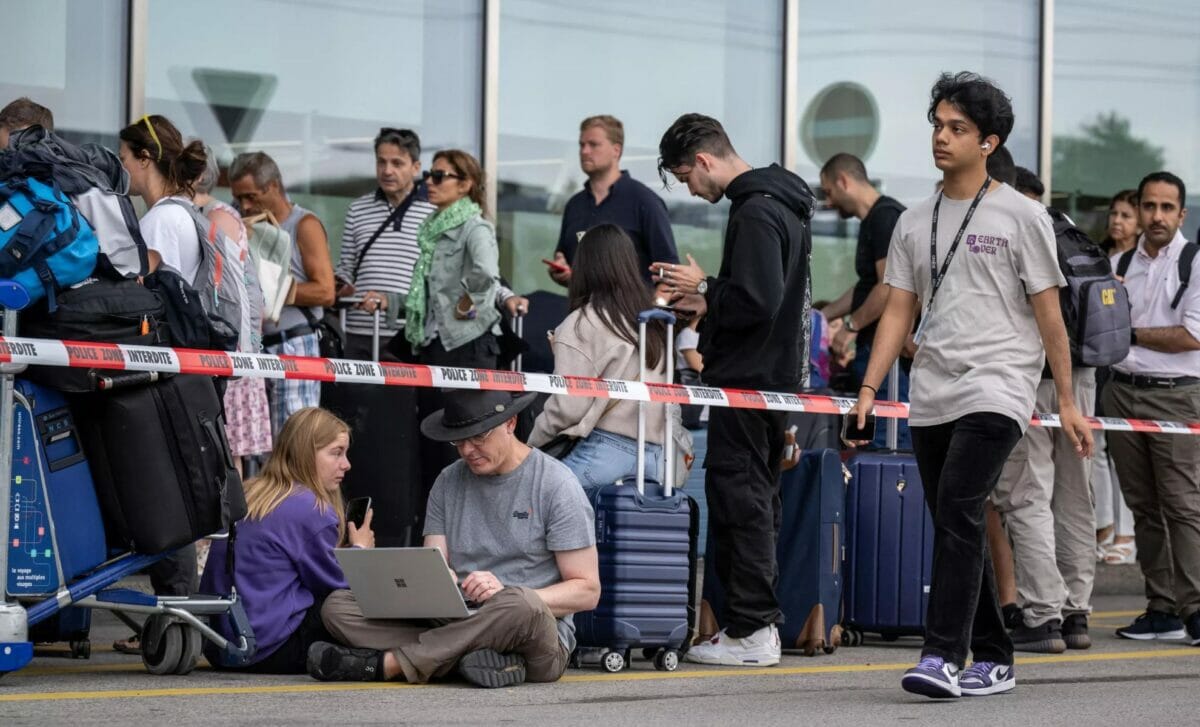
x,y
174,626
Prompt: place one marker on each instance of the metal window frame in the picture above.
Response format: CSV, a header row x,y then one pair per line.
x,y
489,145
1046,98
790,141
138,24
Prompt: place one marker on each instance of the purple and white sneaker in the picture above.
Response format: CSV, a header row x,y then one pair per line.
x,y
933,677
987,677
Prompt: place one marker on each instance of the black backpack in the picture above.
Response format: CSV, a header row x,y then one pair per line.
x,y
1095,305
1186,256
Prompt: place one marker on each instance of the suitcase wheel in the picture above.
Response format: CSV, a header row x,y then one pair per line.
x,y
852,637
81,649
667,660
613,661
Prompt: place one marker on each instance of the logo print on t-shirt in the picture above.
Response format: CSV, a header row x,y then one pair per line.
x,y
986,244
519,515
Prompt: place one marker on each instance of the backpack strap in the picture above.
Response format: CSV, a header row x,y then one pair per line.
x,y
135,232
1124,261
1186,256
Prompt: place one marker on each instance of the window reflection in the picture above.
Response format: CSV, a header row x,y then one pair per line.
x,y
645,63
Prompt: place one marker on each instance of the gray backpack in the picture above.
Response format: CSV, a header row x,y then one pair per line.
x,y
221,280
1095,305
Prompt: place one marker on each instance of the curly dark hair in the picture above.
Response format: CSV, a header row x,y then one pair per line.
x,y
979,98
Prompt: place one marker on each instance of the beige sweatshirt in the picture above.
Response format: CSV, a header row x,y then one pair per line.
x,y
590,349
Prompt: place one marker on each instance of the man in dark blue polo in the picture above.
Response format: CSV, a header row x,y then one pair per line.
x,y
611,195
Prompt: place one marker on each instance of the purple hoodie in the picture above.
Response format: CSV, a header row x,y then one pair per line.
x,y
284,565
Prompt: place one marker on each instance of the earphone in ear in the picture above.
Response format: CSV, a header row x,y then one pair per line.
x,y
985,146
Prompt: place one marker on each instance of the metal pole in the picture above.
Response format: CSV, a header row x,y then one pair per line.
x,y
6,435
893,425
669,440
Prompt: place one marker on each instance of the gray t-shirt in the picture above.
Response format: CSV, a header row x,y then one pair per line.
x,y
980,349
512,524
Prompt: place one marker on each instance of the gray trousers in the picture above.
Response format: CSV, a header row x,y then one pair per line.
x,y
1045,498
515,620
1160,478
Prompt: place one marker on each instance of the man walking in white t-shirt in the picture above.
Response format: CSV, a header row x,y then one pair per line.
x,y
980,260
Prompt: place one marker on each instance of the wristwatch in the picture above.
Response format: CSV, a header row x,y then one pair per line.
x,y
702,287
848,321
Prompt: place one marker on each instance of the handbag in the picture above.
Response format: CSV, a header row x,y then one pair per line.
x,y
271,252
561,446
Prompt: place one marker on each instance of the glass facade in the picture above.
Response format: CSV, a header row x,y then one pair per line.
x,y
864,82
1126,100
645,63
312,82
69,57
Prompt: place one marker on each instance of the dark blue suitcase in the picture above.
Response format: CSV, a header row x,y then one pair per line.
x,y
56,530
889,547
646,546
809,554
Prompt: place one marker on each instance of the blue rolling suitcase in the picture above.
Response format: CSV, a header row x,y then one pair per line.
x,y
809,554
889,546
56,530
646,540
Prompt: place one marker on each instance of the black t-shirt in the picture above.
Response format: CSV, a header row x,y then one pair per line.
x,y
874,236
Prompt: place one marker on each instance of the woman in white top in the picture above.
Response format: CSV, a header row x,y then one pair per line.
x,y
160,165
599,338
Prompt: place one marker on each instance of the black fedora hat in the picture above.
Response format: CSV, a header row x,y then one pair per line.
x,y
469,412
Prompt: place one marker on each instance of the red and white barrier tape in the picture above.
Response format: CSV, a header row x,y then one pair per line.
x,y
120,357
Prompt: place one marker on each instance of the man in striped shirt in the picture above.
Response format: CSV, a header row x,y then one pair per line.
x,y
379,241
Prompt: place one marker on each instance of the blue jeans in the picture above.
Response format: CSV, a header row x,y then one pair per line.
x,y
862,355
602,458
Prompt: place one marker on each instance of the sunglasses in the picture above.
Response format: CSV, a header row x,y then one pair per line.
x,y
437,176
476,441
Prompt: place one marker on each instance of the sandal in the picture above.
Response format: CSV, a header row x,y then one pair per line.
x,y
1121,553
132,645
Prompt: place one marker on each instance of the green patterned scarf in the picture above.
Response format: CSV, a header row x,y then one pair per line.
x,y
427,236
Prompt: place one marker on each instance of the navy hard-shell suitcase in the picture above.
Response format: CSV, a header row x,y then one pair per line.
x,y
646,540
809,554
889,547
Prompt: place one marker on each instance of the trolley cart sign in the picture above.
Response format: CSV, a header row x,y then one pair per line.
x,y
32,561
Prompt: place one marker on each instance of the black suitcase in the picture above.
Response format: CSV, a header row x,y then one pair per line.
x,y
385,452
161,463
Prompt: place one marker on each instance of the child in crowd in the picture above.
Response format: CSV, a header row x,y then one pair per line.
x,y
285,565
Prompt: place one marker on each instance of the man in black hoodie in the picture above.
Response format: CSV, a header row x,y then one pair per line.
x,y
754,336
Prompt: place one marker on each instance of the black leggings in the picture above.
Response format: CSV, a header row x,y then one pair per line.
x,y
292,656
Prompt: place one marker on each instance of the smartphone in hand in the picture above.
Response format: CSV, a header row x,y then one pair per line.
x,y
850,431
556,267
356,510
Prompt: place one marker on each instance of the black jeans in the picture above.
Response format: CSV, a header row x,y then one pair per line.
x,y
292,655
960,463
741,482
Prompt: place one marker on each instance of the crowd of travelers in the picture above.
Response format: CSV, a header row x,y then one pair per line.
x,y
1022,514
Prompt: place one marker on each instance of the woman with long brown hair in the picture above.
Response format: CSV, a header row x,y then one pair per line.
x,y
285,565
599,338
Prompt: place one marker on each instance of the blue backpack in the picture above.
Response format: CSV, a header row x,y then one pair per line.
x,y
45,244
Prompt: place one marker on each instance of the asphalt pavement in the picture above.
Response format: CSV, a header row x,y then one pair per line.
x,y
1115,683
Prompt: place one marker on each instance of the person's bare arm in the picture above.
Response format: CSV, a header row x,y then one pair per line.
x,y
579,589
872,308
314,252
694,359
1047,311
841,306
1167,339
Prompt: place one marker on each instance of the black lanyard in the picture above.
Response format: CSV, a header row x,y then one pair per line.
x,y
936,275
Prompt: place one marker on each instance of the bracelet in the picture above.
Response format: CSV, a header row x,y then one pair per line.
x,y
874,391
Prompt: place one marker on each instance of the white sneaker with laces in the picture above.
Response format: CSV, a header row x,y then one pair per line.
x,y
761,648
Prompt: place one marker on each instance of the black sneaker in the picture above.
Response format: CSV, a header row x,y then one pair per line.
x,y
491,669
1044,639
1012,616
1075,631
1193,628
332,663
1153,625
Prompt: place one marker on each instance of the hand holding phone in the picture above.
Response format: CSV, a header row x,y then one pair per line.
x,y
556,267
356,511
852,434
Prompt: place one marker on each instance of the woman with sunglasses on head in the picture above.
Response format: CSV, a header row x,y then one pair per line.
x,y
599,338
285,566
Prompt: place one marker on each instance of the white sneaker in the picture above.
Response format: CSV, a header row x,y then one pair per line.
x,y
760,648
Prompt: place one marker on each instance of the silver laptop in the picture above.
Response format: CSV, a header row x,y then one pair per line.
x,y
402,583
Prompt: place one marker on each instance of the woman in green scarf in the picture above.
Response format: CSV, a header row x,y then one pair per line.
x,y
450,311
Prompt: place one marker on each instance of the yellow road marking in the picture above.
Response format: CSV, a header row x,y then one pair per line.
x,y
310,688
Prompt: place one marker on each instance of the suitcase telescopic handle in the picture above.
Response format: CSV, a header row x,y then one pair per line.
x,y
656,314
893,392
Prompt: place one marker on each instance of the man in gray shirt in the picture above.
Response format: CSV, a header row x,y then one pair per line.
x,y
518,533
